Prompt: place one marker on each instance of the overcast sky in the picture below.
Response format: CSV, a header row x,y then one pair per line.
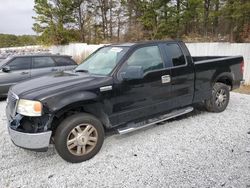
x,y
16,16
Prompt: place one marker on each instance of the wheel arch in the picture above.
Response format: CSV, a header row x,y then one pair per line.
x,y
90,106
225,78
66,105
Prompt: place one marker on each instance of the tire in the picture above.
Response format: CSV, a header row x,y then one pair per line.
x,y
79,137
220,98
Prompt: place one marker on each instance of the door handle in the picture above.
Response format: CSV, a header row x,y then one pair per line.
x,y
54,69
165,79
24,73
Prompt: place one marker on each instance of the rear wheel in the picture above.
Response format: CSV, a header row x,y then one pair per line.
x,y
79,137
219,99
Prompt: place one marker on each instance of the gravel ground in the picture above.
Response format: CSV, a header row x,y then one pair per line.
x,y
200,150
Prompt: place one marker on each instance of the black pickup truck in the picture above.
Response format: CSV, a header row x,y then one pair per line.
x,y
123,87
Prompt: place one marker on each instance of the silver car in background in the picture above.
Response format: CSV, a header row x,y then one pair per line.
x,y
19,68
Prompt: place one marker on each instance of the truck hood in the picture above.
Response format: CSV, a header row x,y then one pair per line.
x,y
43,87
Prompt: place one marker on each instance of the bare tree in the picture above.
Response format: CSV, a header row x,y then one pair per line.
x,y
207,4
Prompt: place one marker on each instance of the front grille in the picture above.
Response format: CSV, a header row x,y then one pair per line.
x,y
11,103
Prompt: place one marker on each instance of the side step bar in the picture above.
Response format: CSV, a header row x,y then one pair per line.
x,y
136,126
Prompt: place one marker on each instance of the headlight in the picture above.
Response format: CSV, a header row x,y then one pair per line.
x,y
29,107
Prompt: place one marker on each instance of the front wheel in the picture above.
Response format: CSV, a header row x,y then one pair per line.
x,y
79,137
219,99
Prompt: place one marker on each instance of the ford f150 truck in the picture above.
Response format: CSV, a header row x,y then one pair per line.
x,y
123,87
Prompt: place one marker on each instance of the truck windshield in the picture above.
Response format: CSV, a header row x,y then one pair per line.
x,y
103,61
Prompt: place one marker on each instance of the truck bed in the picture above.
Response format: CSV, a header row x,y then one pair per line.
x,y
209,68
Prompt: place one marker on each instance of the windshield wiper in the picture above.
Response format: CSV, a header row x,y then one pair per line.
x,y
81,70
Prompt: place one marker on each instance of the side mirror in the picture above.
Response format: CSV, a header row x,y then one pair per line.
x,y
133,72
6,69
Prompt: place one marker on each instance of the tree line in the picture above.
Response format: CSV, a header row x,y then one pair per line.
x,y
105,21
7,40
98,21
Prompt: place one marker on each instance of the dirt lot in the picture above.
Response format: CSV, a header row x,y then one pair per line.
x,y
243,89
200,150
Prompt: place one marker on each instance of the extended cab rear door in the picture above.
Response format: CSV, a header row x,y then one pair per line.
x,y
182,74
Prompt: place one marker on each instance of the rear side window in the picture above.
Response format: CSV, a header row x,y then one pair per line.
x,y
175,55
20,63
64,61
42,62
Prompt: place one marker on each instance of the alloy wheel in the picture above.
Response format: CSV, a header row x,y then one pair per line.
x,y
221,98
82,139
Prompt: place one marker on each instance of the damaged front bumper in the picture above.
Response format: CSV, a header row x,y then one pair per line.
x,y
38,141
32,141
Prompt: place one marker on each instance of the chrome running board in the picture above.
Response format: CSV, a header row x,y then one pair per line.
x,y
130,127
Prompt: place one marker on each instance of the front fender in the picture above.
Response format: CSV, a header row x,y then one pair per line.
x,y
88,100
56,103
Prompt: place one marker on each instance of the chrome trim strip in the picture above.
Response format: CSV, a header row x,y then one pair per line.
x,y
15,95
17,100
30,140
105,88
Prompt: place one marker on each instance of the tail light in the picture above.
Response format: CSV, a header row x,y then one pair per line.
x,y
242,67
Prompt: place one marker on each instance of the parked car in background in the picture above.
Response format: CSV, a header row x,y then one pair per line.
x,y
2,58
19,68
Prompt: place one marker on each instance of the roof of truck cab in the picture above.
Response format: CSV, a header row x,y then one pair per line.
x,y
123,44
143,42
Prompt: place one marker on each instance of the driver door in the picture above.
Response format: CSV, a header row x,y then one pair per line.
x,y
146,95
